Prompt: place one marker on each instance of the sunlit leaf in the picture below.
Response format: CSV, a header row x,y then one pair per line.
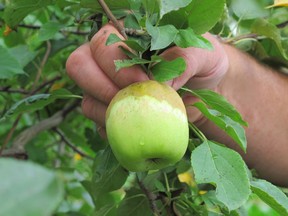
x,y
232,128
168,70
271,195
9,65
223,168
167,6
162,36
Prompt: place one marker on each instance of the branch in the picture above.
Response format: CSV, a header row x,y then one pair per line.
x,y
282,25
26,92
36,27
25,136
110,15
150,196
70,144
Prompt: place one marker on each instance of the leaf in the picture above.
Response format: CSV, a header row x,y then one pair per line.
x,y
205,14
26,187
219,103
108,174
232,128
168,70
223,168
17,10
9,65
167,6
36,102
271,195
135,203
23,54
187,38
263,27
133,44
130,62
48,30
162,36
247,9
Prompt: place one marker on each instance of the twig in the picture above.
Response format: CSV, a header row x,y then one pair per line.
x,y
25,136
282,25
45,84
36,27
11,131
26,92
110,15
70,144
241,37
42,64
150,196
8,90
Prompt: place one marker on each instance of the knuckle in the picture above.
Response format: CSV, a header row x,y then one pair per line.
x,y
87,107
74,63
107,94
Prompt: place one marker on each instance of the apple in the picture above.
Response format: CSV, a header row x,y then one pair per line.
x,y
147,126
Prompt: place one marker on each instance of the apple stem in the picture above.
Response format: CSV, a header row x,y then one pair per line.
x,y
150,196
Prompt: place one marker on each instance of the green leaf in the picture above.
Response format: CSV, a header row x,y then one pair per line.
x,y
9,65
130,62
108,174
205,14
271,195
151,7
48,30
232,128
187,38
107,210
219,103
132,43
162,36
36,102
26,187
135,203
167,70
167,6
223,168
264,28
247,9
23,54
17,10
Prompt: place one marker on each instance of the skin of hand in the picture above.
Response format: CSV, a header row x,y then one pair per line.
x,y
244,82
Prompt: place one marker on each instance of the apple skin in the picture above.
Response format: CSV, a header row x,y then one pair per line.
x,y
147,126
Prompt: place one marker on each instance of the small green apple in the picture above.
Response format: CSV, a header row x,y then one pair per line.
x,y
147,126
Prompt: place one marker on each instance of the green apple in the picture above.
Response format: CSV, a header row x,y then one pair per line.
x,y
147,126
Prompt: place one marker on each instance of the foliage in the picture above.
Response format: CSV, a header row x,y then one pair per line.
x,y
70,169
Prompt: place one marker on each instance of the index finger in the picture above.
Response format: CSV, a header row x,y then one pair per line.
x,y
106,55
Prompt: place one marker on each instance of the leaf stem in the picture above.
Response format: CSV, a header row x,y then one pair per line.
x,y
198,133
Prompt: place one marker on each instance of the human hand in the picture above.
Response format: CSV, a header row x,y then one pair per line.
x,y
92,67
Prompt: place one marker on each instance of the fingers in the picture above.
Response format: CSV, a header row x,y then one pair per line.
x,y
204,68
106,55
94,110
82,68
